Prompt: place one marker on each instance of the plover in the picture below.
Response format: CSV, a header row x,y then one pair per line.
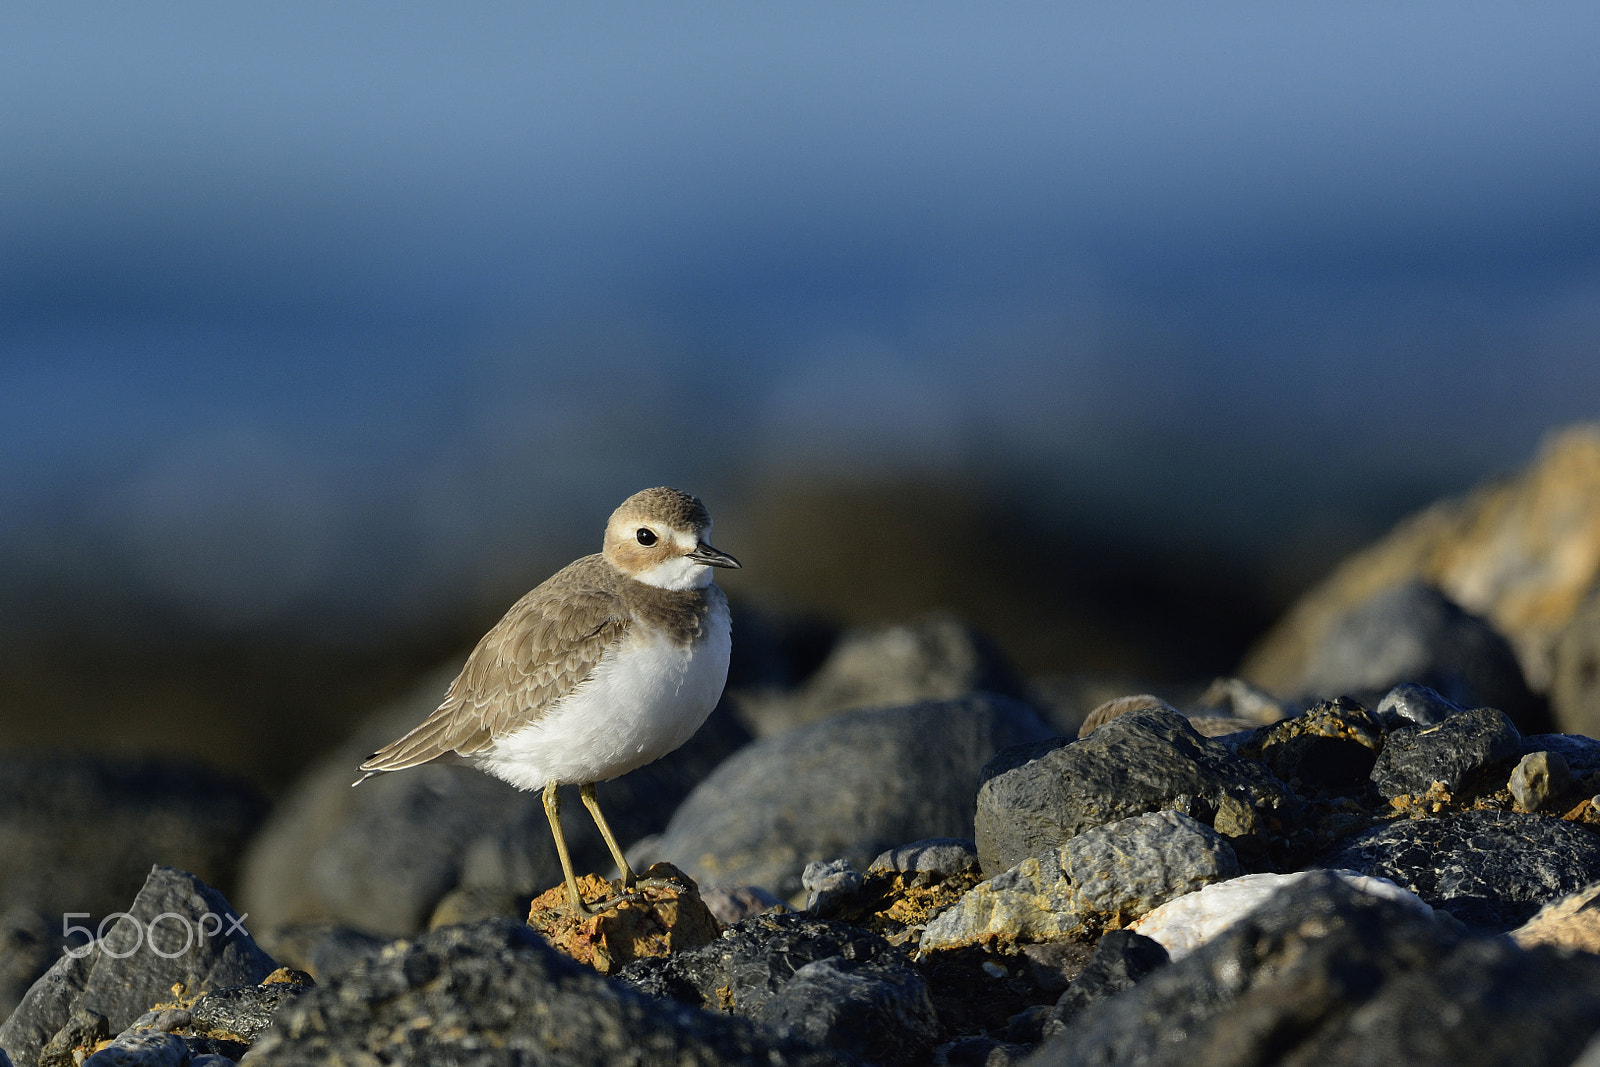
x,y
609,664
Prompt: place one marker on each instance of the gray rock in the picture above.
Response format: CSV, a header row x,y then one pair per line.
x,y
1463,751
1415,633
1325,975
147,1048
381,857
245,1010
79,834
937,858
1537,778
829,883
847,787
1144,761
1111,874
493,993
199,942
1121,959
936,657
1409,702
1490,869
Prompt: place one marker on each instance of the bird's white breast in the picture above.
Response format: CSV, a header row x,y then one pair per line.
x,y
644,699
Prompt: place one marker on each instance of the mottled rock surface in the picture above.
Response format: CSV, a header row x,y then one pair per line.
x,y
494,993
1465,750
1103,877
849,787
1330,749
1490,869
1141,762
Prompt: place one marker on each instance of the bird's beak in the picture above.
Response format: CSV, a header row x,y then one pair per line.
x,y
711,557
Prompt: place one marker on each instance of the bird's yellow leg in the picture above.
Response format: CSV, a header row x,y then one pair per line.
x,y
586,791
552,811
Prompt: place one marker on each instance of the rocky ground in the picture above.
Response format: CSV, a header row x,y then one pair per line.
x,y
1380,844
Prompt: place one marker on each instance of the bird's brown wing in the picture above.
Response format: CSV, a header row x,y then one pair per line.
x,y
548,643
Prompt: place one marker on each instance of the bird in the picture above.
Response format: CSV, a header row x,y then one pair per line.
x,y
611,663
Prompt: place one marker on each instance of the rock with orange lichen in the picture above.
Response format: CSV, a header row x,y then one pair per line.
x,y
663,915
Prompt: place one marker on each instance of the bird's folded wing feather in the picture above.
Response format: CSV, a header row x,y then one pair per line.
x,y
545,646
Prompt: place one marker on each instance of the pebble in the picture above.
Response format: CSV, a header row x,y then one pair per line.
x,y
1537,778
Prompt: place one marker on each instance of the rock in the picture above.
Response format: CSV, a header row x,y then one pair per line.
x,y
1582,754
80,833
932,859
1463,751
1103,877
1330,749
828,983
321,949
495,993
1324,974
1180,926
1523,553
1235,698
663,915
827,883
1537,778
1144,761
82,1033
1120,960
245,1010
731,904
846,787
1414,633
1490,869
382,857
1575,671
1573,922
147,1048
178,931
936,657
877,1010
1117,707
1409,702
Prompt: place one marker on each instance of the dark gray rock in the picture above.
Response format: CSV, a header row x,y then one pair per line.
x,y
147,1048
1141,762
197,943
494,993
1329,749
1490,869
1410,703
244,1010
1121,960
1537,778
876,1009
847,787
1465,750
936,657
1325,975
381,857
1415,633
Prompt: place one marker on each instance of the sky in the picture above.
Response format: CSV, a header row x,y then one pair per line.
x,y
327,310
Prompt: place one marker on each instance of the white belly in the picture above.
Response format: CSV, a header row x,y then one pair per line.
x,y
641,702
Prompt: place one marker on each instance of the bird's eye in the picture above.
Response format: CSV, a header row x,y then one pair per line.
x,y
645,536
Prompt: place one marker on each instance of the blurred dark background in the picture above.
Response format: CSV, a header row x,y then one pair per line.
x,y
326,331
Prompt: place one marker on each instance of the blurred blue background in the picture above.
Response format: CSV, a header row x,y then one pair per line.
x,y
337,326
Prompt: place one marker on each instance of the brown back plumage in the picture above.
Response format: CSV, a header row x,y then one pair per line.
x,y
543,648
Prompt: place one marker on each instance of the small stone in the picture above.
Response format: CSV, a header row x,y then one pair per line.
x,y
735,903
654,920
828,884
936,857
1537,777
